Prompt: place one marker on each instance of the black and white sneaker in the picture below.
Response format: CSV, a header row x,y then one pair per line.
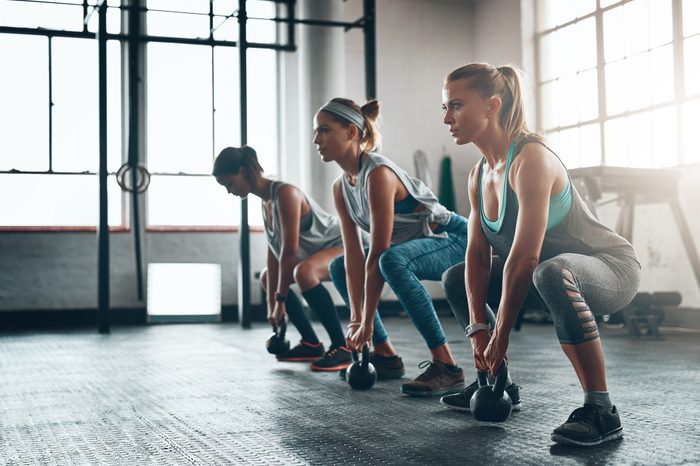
x,y
303,352
460,401
589,425
335,359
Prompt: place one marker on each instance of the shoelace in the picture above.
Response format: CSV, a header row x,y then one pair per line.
x,y
429,373
584,415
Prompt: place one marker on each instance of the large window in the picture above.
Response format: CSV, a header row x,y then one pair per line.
x,y
49,117
49,139
618,80
193,107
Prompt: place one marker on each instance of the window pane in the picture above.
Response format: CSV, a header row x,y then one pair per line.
x,y
661,14
639,140
614,34
177,25
262,107
547,58
616,142
113,21
185,6
661,74
691,17
636,26
225,28
587,92
24,97
606,3
73,200
556,12
549,105
225,7
585,53
75,109
199,201
179,108
41,15
567,100
638,82
664,137
616,87
569,148
227,128
589,142
565,42
691,122
691,52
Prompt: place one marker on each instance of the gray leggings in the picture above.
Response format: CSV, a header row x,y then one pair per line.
x,y
573,287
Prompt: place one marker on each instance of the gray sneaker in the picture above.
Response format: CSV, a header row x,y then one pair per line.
x,y
460,401
435,381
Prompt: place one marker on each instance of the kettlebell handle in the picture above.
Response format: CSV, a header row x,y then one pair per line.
x,y
482,378
282,329
501,378
365,356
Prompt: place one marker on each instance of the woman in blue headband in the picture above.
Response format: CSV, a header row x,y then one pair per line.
x,y
412,238
302,239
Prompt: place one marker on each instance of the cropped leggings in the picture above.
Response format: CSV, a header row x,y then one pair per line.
x,y
403,266
573,287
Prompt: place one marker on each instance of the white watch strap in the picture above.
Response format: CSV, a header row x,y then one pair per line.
x,y
473,328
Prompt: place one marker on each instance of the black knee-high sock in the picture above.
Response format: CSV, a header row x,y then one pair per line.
x,y
296,314
322,304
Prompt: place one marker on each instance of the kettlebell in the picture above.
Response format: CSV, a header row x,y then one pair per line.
x,y
491,403
277,344
361,375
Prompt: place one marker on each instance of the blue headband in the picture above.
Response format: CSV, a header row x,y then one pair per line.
x,y
345,112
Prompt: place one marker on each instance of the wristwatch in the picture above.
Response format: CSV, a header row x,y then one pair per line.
x,y
280,298
473,328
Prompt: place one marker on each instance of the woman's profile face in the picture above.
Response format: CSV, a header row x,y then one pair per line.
x,y
236,184
330,137
466,113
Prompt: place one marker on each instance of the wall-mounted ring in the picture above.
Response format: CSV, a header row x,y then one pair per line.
x,y
143,178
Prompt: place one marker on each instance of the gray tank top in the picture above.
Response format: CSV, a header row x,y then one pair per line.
x,y
407,226
318,230
579,232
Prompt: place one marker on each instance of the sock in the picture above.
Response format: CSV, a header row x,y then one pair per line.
x,y
600,399
296,314
321,303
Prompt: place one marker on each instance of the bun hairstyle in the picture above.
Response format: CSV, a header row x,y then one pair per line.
x,y
504,82
232,159
370,139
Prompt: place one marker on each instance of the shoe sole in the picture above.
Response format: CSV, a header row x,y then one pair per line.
x,y
446,391
339,367
562,440
516,407
307,359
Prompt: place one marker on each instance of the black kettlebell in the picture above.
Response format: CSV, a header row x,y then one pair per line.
x,y
277,344
361,375
491,403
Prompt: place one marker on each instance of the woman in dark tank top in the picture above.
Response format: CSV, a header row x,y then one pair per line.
x,y
576,266
302,240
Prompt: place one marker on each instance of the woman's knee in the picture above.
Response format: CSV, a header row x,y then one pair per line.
x,y
453,280
263,279
391,263
549,276
336,268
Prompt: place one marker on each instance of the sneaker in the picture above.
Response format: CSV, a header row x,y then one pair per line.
x,y
387,367
589,425
334,359
436,380
303,352
460,401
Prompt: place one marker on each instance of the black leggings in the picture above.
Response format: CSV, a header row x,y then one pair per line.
x,y
573,287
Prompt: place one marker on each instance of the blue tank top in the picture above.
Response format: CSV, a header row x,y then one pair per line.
x,y
559,204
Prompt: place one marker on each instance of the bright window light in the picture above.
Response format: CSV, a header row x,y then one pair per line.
x,y
183,290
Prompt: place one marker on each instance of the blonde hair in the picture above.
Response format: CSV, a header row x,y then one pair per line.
x,y
504,82
370,139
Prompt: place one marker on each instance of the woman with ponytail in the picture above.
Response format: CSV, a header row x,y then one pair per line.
x,y
547,245
412,238
302,239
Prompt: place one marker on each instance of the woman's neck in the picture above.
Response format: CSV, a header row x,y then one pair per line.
x,y
261,188
494,144
350,162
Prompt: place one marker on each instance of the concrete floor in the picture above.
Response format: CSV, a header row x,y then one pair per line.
x,y
210,394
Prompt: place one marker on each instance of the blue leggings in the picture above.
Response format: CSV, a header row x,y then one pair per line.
x,y
403,266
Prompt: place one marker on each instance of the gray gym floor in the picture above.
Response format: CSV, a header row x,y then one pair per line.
x,y
210,394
